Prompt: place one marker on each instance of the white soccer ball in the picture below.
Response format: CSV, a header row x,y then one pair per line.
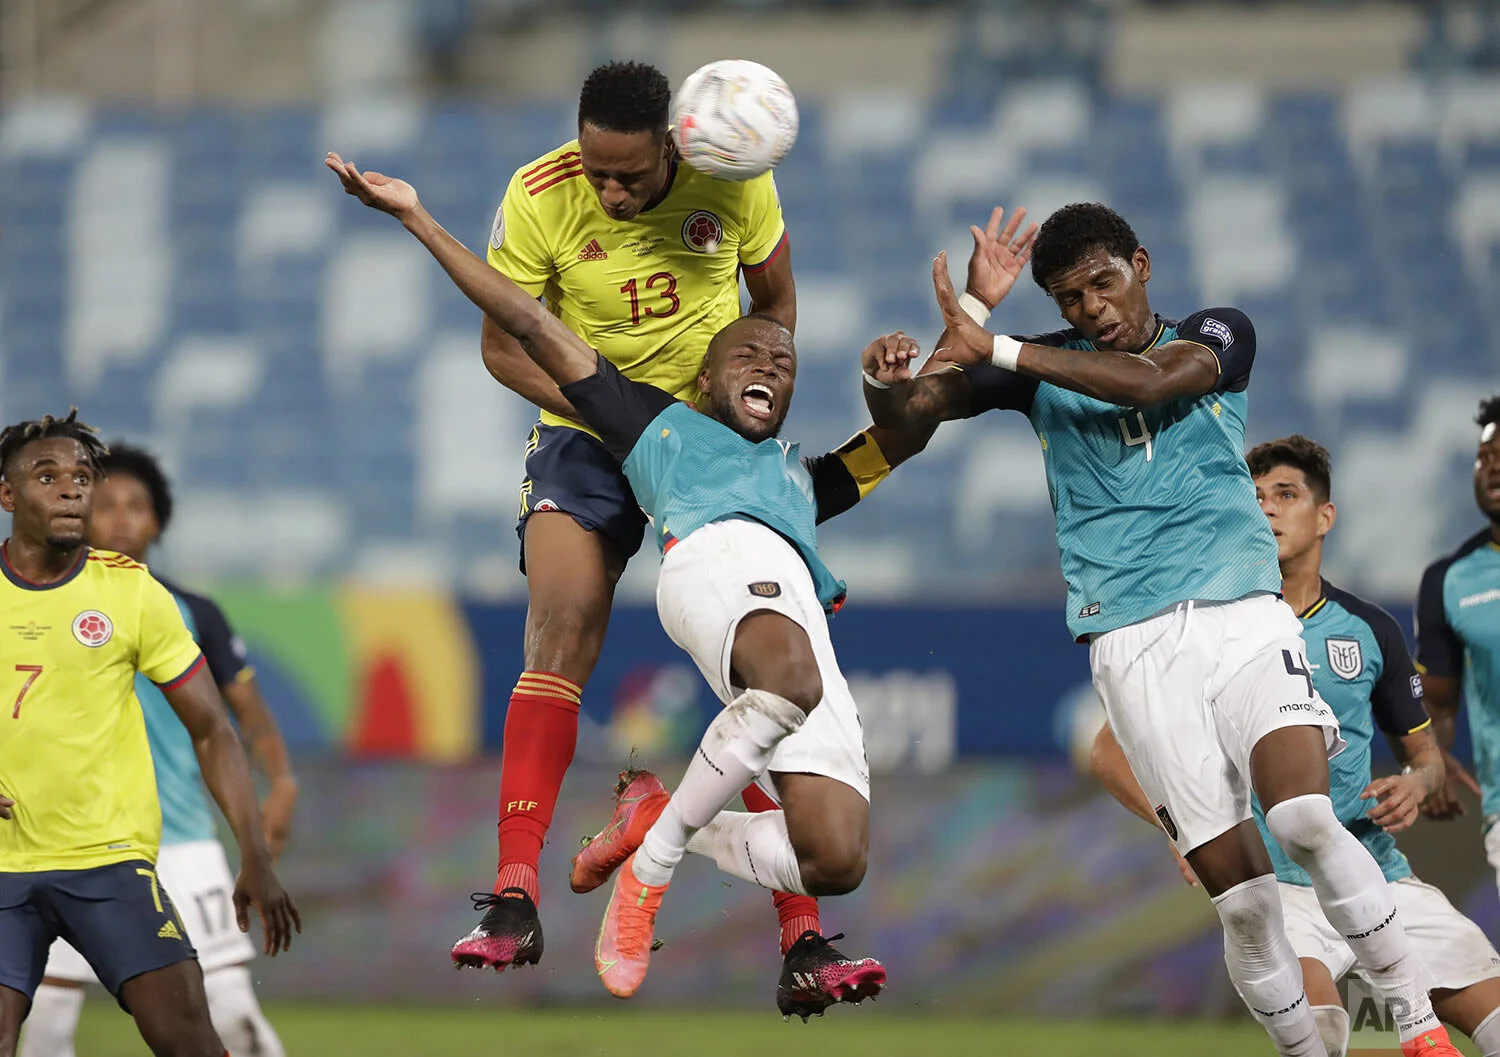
x,y
734,119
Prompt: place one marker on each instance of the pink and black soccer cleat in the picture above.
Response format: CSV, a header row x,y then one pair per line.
x,y
510,933
639,799
816,975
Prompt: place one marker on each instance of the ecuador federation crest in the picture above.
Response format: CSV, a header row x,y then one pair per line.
x,y
1345,658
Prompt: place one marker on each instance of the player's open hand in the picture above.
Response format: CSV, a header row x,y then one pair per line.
x,y
964,341
1444,804
1400,799
889,358
259,885
385,193
6,803
1000,255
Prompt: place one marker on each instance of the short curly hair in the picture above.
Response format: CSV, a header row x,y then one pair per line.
x,y
1067,236
1489,412
1300,453
126,460
625,97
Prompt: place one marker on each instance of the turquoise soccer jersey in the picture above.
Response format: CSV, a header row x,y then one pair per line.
x,y
1458,636
688,470
1362,668
185,812
1154,505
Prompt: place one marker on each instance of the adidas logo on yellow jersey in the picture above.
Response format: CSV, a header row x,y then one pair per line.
x,y
593,252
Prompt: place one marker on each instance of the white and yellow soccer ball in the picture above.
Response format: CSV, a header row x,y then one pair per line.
x,y
734,119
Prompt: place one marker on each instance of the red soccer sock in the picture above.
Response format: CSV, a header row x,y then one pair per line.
x,y
541,731
797,913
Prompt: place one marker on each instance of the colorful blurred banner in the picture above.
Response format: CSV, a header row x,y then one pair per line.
x,y
1011,887
424,676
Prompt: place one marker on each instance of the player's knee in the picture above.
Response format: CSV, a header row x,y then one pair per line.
x,y
1304,826
801,681
837,868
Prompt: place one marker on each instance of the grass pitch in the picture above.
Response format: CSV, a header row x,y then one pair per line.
x,y
316,1031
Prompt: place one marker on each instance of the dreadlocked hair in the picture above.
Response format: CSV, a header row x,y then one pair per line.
x,y
14,438
1489,412
625,97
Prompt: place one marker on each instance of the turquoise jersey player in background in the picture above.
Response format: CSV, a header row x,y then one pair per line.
x,y
132,507
1361,667
1172,579
1458,642
742,590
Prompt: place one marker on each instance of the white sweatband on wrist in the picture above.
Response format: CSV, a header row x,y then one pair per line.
x,y
876,383
1006,352
974,308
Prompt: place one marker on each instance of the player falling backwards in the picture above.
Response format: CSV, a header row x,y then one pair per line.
x,y
132,507
640,256
1362,669
1172,581
1458,643
742,590
79,821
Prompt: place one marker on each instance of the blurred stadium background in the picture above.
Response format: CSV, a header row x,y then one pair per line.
x,y
177,264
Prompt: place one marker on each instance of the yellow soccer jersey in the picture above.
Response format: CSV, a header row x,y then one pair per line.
x,y
648,293
73,749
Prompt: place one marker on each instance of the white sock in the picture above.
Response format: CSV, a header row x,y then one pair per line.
x,y
735,750
753,846
1487,1035
1264,968
52,1021
1357,901
1333,1026
233,1008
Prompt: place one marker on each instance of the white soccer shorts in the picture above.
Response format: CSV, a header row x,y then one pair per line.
x,y
1189,693
720,574
1455,949
197,878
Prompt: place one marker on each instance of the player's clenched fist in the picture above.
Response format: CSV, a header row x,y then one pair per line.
x,y
889,357
385,193
259,885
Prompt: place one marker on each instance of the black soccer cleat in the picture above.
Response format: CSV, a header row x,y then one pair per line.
x,y
815,975
510,933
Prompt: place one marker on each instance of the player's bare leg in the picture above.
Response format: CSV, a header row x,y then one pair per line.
x,y
13,1007
171,1011
1289,768
571,575
1475,1011
773,656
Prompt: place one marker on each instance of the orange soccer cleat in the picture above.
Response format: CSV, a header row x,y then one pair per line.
x,y
1431,1043
623,951
639,799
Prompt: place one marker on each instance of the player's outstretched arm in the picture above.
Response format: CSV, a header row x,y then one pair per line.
x,y
268,750
1108,763
556,349
227,773
1172,371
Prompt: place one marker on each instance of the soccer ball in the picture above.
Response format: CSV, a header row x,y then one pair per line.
x,y
734,119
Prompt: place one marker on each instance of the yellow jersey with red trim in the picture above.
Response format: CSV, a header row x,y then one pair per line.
x,y
73,749
647,293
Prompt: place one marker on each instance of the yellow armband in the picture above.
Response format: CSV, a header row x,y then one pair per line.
x,y
864,460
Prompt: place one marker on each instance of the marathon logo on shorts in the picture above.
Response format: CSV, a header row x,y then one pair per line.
x,y
1305,706
1345,658
1166,821
1214,329
766,589
92,628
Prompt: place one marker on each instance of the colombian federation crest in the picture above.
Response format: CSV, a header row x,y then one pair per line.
x,y
702,231
92,628
1345,658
